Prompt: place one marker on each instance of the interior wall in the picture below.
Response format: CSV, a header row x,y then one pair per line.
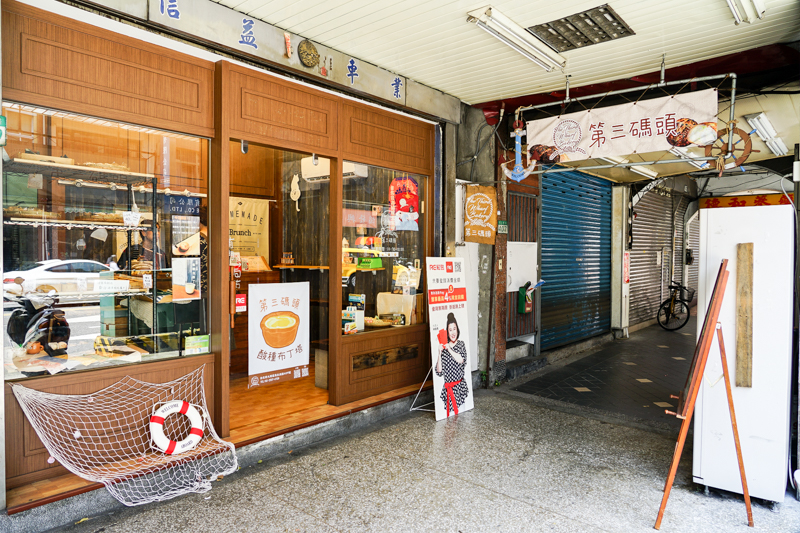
x,y
481,171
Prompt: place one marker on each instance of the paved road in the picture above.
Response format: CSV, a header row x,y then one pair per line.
x,y
511,464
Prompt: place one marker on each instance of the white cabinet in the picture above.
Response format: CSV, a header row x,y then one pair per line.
x,y
762,411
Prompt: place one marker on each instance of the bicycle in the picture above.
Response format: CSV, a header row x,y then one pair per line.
x,y
674,313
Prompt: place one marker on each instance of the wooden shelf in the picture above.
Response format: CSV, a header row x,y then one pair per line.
x,y
55,170
304,267
70,224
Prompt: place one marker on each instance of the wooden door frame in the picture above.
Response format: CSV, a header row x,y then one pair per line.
x,y
225,113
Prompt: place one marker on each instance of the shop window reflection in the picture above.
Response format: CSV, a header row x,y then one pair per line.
x,y
383,248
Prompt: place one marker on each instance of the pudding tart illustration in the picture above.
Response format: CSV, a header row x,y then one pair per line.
x,y
280,328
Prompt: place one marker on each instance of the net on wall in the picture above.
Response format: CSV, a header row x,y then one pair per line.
x,y
105,437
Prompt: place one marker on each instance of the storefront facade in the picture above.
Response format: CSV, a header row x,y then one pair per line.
x,y
193,198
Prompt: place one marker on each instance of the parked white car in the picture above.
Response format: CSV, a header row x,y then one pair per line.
x,y
69,278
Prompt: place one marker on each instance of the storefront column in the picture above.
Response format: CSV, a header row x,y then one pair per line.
x,y
218,262
449,188
620,288
2,343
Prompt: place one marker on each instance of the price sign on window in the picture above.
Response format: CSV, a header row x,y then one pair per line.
x,y
131,218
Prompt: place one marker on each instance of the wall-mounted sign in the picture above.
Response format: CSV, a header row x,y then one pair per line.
x,y
449,324
654,125
480,214
278,332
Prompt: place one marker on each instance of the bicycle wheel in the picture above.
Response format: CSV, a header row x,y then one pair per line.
x,y
678,318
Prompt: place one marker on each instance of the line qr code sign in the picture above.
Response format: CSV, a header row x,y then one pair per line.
x,y
457,267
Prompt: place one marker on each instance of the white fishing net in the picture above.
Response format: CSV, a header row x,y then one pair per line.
x,y
105,437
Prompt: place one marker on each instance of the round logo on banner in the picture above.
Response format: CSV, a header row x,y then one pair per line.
x,y
478,210
254,381
566,136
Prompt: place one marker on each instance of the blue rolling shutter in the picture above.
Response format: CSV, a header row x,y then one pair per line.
x,y
576,257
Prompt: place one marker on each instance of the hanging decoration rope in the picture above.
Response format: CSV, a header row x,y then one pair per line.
x,y
144,441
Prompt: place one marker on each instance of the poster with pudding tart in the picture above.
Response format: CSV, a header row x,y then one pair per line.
x,y
278,332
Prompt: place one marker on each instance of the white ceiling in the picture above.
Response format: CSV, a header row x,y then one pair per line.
x,y
431,42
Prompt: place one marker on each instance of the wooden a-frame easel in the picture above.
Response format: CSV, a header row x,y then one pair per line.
x,y
688,397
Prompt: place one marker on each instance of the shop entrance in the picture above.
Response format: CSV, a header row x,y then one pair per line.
x,y
279,270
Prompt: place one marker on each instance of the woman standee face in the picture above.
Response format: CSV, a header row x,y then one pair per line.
x,y
452,331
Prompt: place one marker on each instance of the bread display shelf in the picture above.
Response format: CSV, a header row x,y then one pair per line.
x,y
306,267
56,170
15,221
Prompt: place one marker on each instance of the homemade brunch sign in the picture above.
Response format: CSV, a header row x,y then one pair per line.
x,y
447,309
249,226
480,214
654,125
278,332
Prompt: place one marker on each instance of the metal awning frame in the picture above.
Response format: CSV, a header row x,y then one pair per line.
x,y
659,85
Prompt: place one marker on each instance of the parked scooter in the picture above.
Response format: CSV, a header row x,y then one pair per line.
x,y
38,325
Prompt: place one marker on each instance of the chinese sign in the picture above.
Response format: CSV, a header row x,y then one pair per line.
x,y
396,84
644,126
746,201
480,214
278,332
449,323
249,226
404,203
170,9
352,71
248,38
182,205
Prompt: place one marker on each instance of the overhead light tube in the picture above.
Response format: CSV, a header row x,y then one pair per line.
x,y
734,11
515,37
511,44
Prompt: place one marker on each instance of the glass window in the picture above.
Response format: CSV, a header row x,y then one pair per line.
x,y
383,248
104,232
62,268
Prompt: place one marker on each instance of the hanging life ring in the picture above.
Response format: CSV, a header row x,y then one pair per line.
x,y
157,427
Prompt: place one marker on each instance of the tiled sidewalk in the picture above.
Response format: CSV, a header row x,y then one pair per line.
x,y
633,377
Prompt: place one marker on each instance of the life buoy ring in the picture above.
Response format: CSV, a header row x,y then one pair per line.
x,y
157,427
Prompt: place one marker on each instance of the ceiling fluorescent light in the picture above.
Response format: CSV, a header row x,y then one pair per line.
x,y
683,153
734,11
746,10
777,146
646,172
766,131
516,37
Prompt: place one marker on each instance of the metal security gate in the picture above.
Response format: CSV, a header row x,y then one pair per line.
x,y
694,245
680,205
650,255
576,257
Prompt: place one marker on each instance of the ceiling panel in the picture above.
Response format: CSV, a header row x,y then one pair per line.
x,y
431,42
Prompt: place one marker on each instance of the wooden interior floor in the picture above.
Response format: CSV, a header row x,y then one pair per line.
x,y
254,414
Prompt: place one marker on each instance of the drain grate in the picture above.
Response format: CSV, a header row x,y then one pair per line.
x,y
594,26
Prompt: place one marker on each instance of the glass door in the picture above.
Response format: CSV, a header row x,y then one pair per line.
x,y
278,240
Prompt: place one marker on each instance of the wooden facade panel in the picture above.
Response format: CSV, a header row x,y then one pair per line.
x,y
386,139
254,173
26,456
356,383
272,111
55,62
